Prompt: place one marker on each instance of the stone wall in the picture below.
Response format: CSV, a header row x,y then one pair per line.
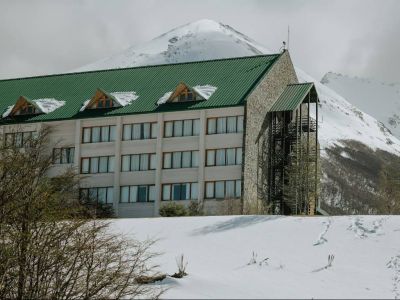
x,y
258,104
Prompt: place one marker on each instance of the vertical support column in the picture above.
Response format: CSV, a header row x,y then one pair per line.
x,y
308,155
77,157
117,164
317,204
202,154
159,155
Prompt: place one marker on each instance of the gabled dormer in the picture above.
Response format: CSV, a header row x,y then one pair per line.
x,y
186,93
24,106
28,107
103,99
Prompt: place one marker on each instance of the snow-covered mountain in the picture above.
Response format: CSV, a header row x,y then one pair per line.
x,y
344,128
207,39
379,99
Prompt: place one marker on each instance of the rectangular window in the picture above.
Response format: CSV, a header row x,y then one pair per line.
x,y
20,139
139,131
167,161
220,125
138,162
224,157
101,164
138,193
220,189
95,134
98,194
98,134
179,128
127,132
184,159
210,190
63,155
168,129
187,127
180,191
223,189
212,126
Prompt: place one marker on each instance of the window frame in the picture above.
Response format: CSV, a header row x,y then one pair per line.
x,y
237,189
181,184
110,136
89,159
239,129
149,162
194,123
147,186
236,152
58,159
109,194
171,164
153,131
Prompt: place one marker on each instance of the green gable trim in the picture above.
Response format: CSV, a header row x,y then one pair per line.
x,y
234,78
292,97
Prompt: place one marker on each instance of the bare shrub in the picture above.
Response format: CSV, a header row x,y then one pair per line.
x,y
181,264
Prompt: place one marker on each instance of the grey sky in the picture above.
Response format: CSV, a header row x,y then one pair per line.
x,y
355,37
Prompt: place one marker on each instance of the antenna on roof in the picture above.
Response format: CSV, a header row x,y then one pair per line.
x,y
288,36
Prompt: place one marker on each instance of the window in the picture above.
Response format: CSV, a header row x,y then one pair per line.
x,y
187,95
138,193
98,194
223,189
103,103
179,128
220,125
139,131
224,157
138,162
184,159
63,155
98,134
180,191
19,139
101,164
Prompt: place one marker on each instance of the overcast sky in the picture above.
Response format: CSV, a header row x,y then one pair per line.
x,y
355,37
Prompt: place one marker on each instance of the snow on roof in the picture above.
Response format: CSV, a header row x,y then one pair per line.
x,y
122,98
125,98
164,98
45,105
205,91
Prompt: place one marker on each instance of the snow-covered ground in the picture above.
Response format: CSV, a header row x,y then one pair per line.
x,y
379,99
290,255
207,39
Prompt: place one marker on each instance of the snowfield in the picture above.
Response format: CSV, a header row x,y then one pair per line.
x,y
290,257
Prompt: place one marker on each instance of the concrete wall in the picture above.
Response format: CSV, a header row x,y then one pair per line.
x,y
69,133
258,104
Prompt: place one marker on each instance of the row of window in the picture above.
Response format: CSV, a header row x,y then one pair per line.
x,y
224,157
227,189
182,128
98,134
181,159
177,128
225,125
138,193
138,162
63,155
101,164
98,194
139,131
19,139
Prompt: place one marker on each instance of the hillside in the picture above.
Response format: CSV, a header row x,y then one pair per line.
x,y
341,123
379,99
290,255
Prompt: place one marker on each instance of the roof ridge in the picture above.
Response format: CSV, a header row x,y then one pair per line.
x,y
140,67
300,83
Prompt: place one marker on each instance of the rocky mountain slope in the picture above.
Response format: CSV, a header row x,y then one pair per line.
x,y
342,125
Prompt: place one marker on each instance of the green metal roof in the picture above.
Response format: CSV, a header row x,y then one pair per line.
x,y
293,95
234,78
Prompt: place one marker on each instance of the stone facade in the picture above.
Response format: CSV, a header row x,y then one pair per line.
x,y
258,104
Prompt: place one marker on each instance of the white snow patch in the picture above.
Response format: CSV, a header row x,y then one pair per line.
x,y
85,104
164,98
125,98
205,91
8,111
48,105
218,250
345,155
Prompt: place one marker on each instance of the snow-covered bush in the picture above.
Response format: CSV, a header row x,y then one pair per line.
x,y
173,209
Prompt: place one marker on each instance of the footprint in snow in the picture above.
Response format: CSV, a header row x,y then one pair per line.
x,y
364,231
322,239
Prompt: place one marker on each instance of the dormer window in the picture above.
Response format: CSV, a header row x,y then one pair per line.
x,y
103,99
103,103
185,93
26,109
